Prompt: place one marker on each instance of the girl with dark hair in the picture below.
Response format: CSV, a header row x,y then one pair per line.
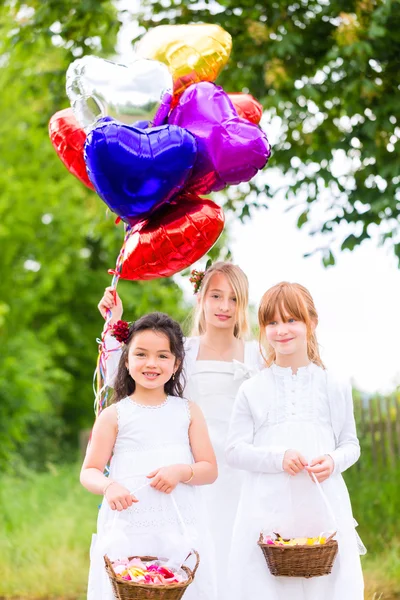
x,y
160,445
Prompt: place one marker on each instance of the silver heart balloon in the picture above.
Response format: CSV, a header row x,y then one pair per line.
x,y
141,91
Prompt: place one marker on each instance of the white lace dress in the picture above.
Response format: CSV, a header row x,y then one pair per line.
x,y
149,438
281,411
213,385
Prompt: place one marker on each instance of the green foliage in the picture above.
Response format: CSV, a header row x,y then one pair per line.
x,y
375,498
329,71
56,244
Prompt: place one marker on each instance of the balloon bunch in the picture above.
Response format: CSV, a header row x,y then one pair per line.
x,y
153,136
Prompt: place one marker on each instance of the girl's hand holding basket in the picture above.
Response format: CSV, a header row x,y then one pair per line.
x,y
293,462
167,478
322,467
118,497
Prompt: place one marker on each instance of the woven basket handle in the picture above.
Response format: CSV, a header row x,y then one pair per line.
x,y
328,539
108,563
193,571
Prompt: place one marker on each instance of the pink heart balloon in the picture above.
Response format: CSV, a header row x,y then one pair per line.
x,y
230,149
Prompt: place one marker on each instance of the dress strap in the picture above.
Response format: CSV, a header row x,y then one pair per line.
x,y
123,408
192,346
187,408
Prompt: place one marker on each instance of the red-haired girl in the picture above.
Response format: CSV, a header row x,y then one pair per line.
x,y
292,423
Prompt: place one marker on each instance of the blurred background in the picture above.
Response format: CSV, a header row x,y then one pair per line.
x,y
325,212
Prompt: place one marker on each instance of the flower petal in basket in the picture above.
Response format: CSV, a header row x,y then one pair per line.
x,y
130,590
300,561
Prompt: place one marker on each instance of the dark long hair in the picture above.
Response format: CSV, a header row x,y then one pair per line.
x,y
124,384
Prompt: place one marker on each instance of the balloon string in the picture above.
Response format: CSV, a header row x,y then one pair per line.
x,y
100,386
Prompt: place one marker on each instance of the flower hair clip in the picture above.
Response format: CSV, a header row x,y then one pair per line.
x,y
196,277
120,330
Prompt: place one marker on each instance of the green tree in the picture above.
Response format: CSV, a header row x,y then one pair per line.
x,y
329,70
56,244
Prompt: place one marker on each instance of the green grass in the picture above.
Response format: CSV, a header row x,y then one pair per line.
x,y
382,574
46,522
375,497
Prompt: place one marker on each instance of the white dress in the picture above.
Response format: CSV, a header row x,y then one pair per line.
x,y
149,438
275,412
213,385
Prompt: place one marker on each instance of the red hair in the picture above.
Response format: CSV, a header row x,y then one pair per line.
x,y
289,300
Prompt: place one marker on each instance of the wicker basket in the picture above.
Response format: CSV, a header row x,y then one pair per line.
x,y
300,561
130,590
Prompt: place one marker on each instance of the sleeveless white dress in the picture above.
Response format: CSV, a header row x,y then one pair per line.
x,y
149,438
213,385
274,412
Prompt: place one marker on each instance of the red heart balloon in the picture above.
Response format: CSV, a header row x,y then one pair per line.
x,y
247,107
68,139
176,237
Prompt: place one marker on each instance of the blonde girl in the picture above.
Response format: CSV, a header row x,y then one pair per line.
x,y
292,423
217,360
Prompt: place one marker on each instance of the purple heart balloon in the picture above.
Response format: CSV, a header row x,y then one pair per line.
x,y
135,170
229,149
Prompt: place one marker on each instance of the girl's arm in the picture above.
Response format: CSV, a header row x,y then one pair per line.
x,y
203,471
99,451
240,450
111,302
205,468
347,450
112,358
97,456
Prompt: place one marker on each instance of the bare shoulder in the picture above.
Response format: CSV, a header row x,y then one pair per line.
x,y
195,410
108,416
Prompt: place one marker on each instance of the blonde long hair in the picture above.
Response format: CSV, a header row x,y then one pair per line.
x,y
240,286
289,300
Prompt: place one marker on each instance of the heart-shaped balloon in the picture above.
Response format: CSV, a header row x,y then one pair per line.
x,y
175,238
136,170
193,53
97,88
229,149
68,139
247,107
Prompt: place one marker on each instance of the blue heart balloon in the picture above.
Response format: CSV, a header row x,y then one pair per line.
x,y
135,170
141,124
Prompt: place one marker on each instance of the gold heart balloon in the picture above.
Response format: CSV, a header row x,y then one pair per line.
x,y
193,53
